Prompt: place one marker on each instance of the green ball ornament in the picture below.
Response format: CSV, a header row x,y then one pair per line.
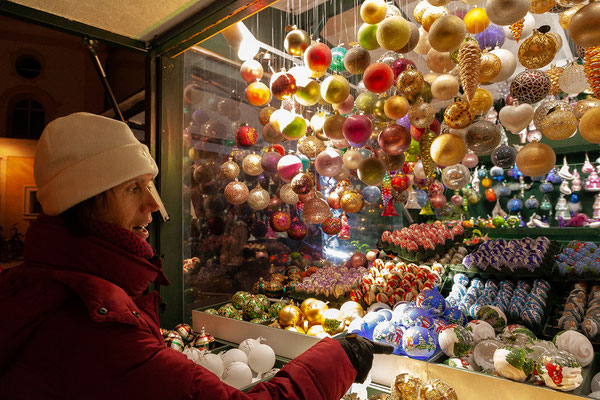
x,y
295,129
305,161
371,171
308,95
264,300
335,89
275,309
365,102
252,309
227,310
367,36
239,299
337,59
413,149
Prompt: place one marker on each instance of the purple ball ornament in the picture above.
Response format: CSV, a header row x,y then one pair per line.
x,y
514,204
270,160
405,122
492,37
200,116
357,128
400,65
297,230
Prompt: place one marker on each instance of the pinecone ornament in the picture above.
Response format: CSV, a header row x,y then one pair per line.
x,y
517,28
469,62
554,73
591,66
425,149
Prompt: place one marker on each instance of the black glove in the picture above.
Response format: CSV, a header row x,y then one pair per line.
x,y
360,352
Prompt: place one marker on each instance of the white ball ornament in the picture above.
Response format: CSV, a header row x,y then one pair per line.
x,y
577,344
352,159
211,362
261,358
249,344
508,63
481,330
192,353
234,355
573,79
237,374
528,26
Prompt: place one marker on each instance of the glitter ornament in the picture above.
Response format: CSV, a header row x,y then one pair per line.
x,y
573,79
331,226
456,176
303,183
296,42
236,192
589,125
447,149
335,89
288,166
317,57
280,221
491,38
482,102
559,125
337,59
582,106
469,64
393,33
310,146
506,12
419,10
516,29
431,14
554,73
230,170
252,164
258,198
458,115
309,94
316,211
246,136
580,26
378,77
421,115
530,86
490,67
445,87
297,229
482,137
439,62
504,156
287,195
591,68
535,159
425,150
356,60
447,33
410,82
537,50
351,202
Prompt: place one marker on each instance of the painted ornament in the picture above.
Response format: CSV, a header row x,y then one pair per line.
x,y
508,64
258,198
530,86
490,67
537,51
458,115
246,136
410,82
331,226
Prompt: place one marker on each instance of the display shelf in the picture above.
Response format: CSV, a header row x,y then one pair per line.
x,y
565,234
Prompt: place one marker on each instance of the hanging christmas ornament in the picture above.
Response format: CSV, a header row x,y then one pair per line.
x,y
352,159
258,198
288,166
490,66
470,160
331,226
554,73
431,14
317,57
230,170
296,42
365,102
516,29
504,156
394,139
373,11
246,136
335,89
392,163
303,183
530,86
252,164
410,82
310,146
508,63
346,106
419,10
516,118
476,20
423,46
287,195
357,128
482,137
537,50
297,230
295,129
440,62
367,36
280,221
421,115
427,162
396,107
491,38
337,59
559,125
400,183
316,211
371,171
469,62
329,162
236,192
458,115
573,79
333,126
264,115
447,33
270,160
356,60
591,68
582,106
506,12
482,102
565,17
251,71
535,159
309,94
445,87
351,202
413,40
257,94
580,26
541,6
283,85
393,33
589,125
448,149
378,77
456,176
272,135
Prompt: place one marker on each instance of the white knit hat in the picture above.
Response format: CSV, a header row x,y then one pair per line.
x,y
82,155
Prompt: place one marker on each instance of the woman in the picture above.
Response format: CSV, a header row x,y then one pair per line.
x,y
75,323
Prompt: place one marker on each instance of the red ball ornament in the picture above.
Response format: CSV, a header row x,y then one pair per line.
x,y
317,57
246,136
358,260
438,201
400,65
280,221
436,187
283,85
278,148
490,195
394,139
456,200
416,133
357,128
297,230
331,226
400,183
378,77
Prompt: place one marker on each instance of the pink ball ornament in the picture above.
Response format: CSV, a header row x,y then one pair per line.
x,y
329,162
456,200
470,160
346,106
357,128
280,221
288,166
400,66
438,201
297,230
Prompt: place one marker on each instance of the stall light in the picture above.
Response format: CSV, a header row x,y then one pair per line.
x,y
241,40
337,253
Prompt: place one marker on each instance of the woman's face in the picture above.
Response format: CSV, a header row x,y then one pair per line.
x,y
129,205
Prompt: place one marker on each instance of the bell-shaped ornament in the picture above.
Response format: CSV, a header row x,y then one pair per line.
x,y
532,203
545,205
412,203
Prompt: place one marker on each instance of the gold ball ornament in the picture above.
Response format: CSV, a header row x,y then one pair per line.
x,y
406,386
536,159
357,60
393,33
410,82
589,125
252,164
430,77
314,312
436,389
458,115
316,211
482,102
591,67
310,146
447,33
431,14
378,109
308,95
318,331
448,149
265,115
272,135
445,87
351,201
230,170
438,3
296,42
396,107
490,66
541,6
352,159
554,73
236,192
559,125
335,89
351,310
506,12
537,51
439,62
564,19
421,115
371,171
476,20
333,126
582,106
258,198
290,315
373,11
583,27
287,195
482,137
365,102
557,38
419,10
530,86
546,107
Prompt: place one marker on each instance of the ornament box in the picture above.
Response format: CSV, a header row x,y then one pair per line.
x,y
285,343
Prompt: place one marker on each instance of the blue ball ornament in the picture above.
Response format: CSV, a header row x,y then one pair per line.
x,y
546,187
356,326
454,316
371,194
370,321
431,299
574,198
514,204
416,316
532,203
421,197
497,172
389,332
482,173
419,343
387,314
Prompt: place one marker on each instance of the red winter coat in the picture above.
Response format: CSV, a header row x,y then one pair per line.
x,y
73,325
